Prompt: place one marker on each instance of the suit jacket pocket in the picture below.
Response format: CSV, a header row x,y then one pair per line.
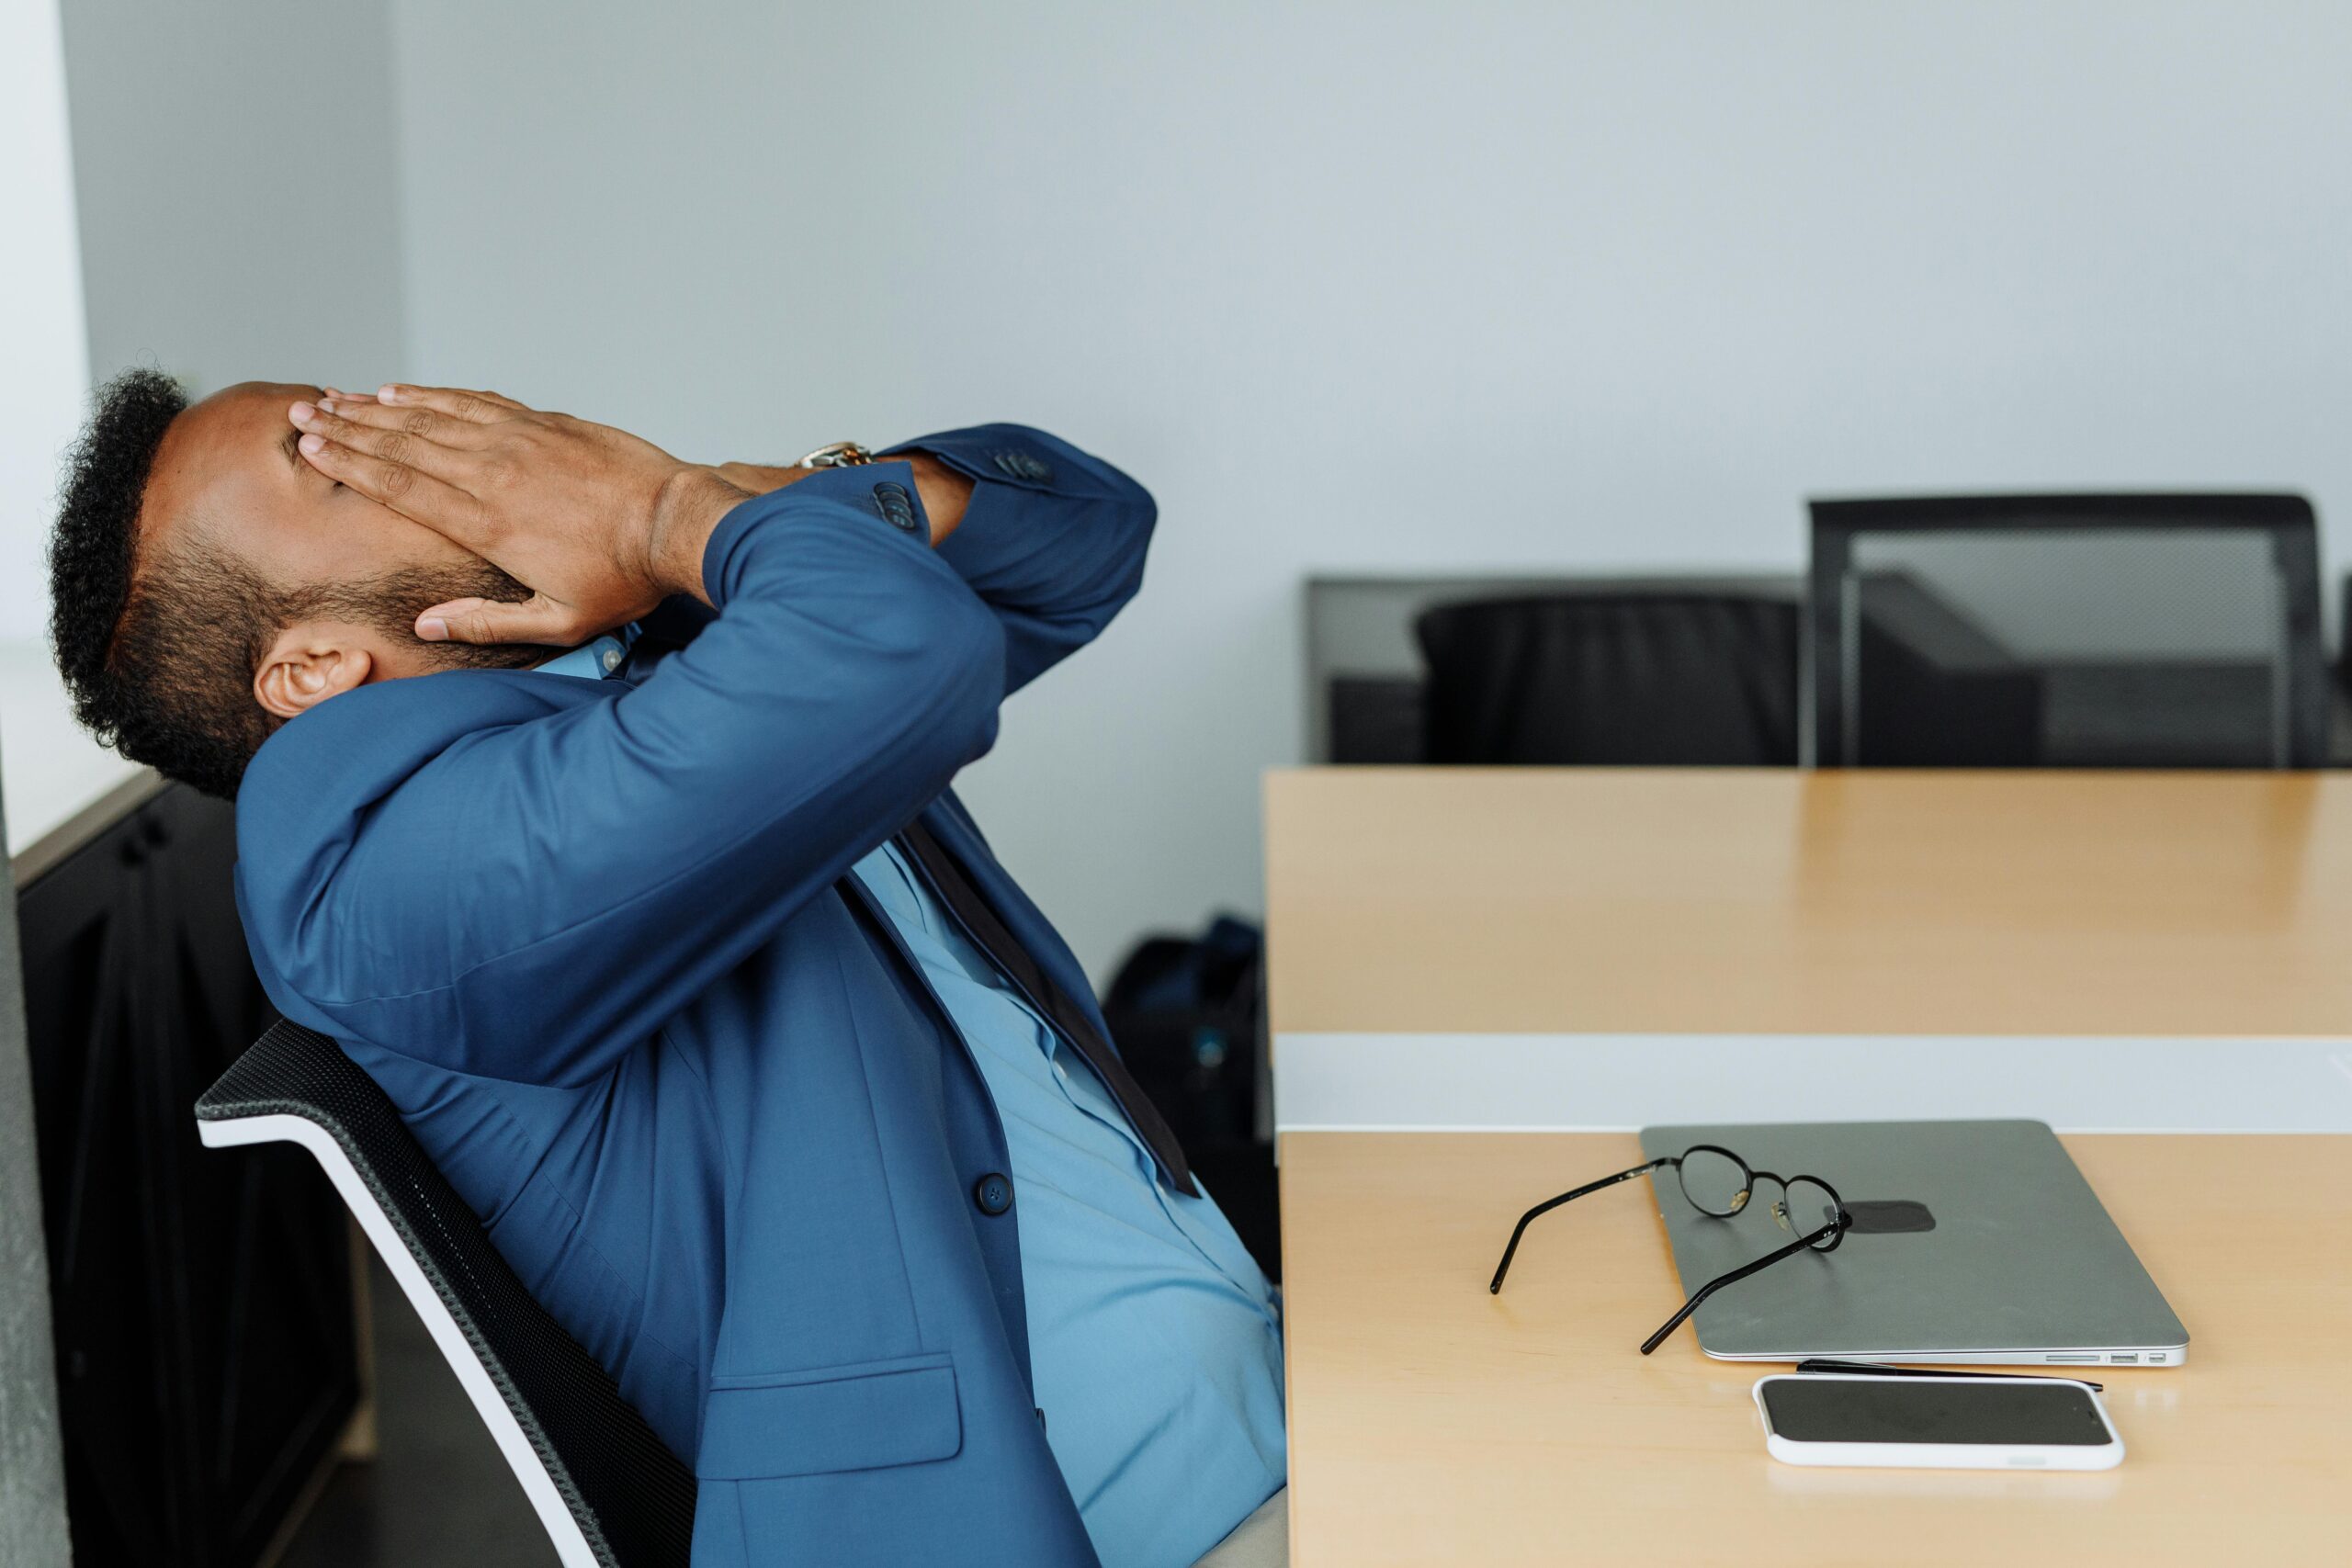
x,y
865,1416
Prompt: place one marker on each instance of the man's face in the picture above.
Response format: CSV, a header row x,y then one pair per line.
x,y
227,476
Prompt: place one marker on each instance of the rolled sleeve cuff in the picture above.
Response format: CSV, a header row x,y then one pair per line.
x,y
880,496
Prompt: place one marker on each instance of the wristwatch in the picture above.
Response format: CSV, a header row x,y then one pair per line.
x,y
837,455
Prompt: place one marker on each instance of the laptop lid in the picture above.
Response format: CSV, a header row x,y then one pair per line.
x,y
1974,1241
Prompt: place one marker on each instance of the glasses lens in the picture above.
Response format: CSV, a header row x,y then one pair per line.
x,y
1714,1181
1807,1207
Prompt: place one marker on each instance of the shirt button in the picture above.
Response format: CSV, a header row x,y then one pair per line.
x,y
993,1193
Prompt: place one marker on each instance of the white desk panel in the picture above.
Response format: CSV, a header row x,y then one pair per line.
x,y
1609,1082
51,768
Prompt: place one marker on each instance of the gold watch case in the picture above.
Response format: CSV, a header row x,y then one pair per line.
x,y
837,455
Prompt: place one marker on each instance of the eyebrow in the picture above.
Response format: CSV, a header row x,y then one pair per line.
x,y
292,448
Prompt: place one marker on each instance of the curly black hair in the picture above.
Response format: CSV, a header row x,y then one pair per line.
x,y
143,680
159,654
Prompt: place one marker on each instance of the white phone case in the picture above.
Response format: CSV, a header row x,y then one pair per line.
x,y
1941,1456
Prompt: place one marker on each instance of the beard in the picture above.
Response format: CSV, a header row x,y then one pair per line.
x,y
391,602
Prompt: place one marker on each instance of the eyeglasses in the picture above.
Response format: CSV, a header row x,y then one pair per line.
x,y
1718,1183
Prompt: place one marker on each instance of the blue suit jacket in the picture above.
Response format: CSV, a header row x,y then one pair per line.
x,y
594,939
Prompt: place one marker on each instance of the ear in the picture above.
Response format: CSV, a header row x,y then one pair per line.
x,y
309,664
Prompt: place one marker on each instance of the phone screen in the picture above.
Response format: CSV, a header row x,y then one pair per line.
x,y
1904,1410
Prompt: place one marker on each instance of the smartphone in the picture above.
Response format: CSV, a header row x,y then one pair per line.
x,y
1932,1423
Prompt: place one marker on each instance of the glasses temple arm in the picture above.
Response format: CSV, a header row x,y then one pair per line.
x,y
1510,1249
1742,1272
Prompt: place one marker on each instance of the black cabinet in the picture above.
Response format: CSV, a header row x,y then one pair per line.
x,y
207,1362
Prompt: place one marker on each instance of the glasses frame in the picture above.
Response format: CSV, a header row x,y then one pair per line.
x,y
1841,1220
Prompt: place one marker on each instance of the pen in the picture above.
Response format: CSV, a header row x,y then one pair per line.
x,y
1820,1364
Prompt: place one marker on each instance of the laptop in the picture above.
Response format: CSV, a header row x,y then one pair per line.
x,y
1973,1242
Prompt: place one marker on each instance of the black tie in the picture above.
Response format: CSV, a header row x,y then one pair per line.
x,y
948,880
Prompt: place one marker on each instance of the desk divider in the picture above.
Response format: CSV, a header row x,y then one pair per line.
x,y
1553,1083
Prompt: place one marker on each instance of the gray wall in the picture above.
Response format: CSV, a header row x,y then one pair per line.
x,y
235,166
1364,287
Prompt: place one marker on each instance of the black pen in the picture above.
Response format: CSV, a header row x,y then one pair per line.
x,y
1875,1368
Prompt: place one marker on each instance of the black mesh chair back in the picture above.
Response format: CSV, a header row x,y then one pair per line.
x,y
1648,679
2080,631
609,1492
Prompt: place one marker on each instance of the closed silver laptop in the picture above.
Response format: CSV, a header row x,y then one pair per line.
x,y
1973,1242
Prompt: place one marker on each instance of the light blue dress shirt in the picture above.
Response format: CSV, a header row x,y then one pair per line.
x,y
1155,1342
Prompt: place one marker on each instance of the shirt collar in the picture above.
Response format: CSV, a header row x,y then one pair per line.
x,y
591,661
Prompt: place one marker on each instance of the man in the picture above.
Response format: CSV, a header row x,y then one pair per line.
x,y
675,950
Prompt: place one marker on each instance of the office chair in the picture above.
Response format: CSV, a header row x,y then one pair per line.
x,y
609,1493
1659,677
2145,631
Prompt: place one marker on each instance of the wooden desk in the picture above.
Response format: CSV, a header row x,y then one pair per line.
x,y
1432,1423
1750,901
2104,952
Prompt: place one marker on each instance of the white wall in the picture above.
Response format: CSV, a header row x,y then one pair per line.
x,y
238,202
237,205
41,303
1364,287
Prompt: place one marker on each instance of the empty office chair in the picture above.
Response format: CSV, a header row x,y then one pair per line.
x,y
610,1493
1656,678
2067,631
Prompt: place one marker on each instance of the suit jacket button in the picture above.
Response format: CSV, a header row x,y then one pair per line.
x,y
1023,466
993,1193
897,506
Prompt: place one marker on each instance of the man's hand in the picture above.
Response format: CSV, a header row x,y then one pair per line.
x,y
601,526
